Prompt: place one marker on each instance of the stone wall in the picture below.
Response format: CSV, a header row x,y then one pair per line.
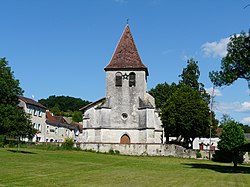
x,y
125,99
141,149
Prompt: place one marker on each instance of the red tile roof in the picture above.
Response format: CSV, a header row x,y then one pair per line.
x,y
31,102
50,117
60,121
126,55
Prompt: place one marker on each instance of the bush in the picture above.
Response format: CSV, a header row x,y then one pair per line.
x,y
68,144
198,154
113,152
227,156
2,140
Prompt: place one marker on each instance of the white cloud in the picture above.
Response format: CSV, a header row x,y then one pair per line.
x,y
244,107
217,92
246,120
216,49
225,107
233,107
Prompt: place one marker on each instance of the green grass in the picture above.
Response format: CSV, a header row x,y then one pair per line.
x,y
34,167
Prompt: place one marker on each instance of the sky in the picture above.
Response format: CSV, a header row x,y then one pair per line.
x,y
60,47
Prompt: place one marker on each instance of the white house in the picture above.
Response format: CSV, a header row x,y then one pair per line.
x,y
203,143
38,116
49,128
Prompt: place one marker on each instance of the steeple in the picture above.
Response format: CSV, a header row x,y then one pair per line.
x,y
126,55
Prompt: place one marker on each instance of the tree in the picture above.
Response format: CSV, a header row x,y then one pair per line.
x,y
184,107
13,120
232,136
190,76
16,123
236,64
226,118
162,92
55,110
245,128
185,115
77,116
9,86
63,105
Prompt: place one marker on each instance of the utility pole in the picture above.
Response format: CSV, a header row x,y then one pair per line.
x,y
211,121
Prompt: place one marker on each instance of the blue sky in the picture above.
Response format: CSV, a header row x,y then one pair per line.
x,y
60,47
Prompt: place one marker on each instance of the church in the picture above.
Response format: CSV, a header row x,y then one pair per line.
x,y
127,114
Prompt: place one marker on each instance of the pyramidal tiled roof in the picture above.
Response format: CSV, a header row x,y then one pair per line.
x,y
126,55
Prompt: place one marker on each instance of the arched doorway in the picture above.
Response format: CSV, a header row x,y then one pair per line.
x,y
125,139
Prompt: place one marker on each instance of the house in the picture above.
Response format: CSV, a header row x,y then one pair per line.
x,y
127,114
203,143
37,114
58,128
49,128
77,128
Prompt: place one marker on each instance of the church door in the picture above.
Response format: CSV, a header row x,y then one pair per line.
x,y
125,139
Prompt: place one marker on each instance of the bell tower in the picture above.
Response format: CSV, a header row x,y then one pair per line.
x,y
127,114
126,83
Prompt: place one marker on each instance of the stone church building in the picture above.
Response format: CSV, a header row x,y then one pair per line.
x,y
127,115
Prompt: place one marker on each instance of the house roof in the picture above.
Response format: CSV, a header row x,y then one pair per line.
x,y
31,102
92,104
77,125
126,55
62,122
143,104
50,117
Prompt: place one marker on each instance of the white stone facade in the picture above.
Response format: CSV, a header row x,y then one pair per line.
x,y
127,114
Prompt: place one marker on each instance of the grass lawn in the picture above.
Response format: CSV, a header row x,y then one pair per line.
x,y
34,167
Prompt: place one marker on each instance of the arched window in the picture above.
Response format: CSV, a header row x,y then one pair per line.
x,y
118,79
125,139
131,79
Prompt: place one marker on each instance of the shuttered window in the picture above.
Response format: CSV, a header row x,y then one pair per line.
x,y
118,79
132,79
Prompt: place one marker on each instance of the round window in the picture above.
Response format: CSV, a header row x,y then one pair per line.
x,y
124,116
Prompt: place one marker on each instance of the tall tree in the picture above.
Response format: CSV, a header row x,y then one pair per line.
x,y
13,120
9,86
236,64
185,115
190,76
162,92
